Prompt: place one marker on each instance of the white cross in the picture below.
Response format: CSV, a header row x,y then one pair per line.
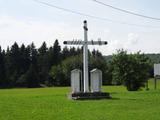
x,y
85,44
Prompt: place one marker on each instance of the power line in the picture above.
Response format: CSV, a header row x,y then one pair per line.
x,y
126,11
95,17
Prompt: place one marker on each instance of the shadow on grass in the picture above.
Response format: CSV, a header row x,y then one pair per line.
x,y
109,99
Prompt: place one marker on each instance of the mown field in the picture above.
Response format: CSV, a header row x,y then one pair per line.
x,y
52,104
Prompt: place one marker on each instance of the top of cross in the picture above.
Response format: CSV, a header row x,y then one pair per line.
x,y
80,42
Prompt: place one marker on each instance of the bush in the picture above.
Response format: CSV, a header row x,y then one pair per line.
x,y
131,70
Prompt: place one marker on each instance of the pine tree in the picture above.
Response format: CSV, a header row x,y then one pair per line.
x,y
2,68
24,65
33,54
43,64
30,78
13,64
43,49
24,59
55,54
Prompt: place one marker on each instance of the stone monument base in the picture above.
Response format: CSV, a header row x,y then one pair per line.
x,y
89,95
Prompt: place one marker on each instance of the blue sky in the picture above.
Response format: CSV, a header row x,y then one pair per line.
x,y
27,21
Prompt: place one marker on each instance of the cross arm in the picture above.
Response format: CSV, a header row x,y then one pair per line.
x,y
88,42
73,42
97,42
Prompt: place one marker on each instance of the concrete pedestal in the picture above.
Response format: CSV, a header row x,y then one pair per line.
x,y
89,95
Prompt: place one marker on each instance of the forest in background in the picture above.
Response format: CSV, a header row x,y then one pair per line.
x,y
28,66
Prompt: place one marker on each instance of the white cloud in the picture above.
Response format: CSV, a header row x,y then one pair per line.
x,y
133,38
115,44
21,31
131,42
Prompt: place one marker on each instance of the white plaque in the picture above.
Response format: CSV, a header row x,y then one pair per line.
x,y
96,80
75,80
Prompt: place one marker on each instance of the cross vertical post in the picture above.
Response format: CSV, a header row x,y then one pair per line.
x,y
85,59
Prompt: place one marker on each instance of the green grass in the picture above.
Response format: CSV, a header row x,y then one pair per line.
x,y
52,104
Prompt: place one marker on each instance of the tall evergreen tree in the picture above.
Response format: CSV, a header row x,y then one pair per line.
x,y
24,65
13,64
30,77
2,69
24,59
43,64
33,54
55,54
43,49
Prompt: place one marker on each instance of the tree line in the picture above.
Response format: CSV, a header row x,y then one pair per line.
x,y
28,66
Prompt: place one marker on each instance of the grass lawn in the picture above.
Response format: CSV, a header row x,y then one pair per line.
x,y
52,104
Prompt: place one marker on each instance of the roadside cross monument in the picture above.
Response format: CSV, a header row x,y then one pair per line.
x,y
85,43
